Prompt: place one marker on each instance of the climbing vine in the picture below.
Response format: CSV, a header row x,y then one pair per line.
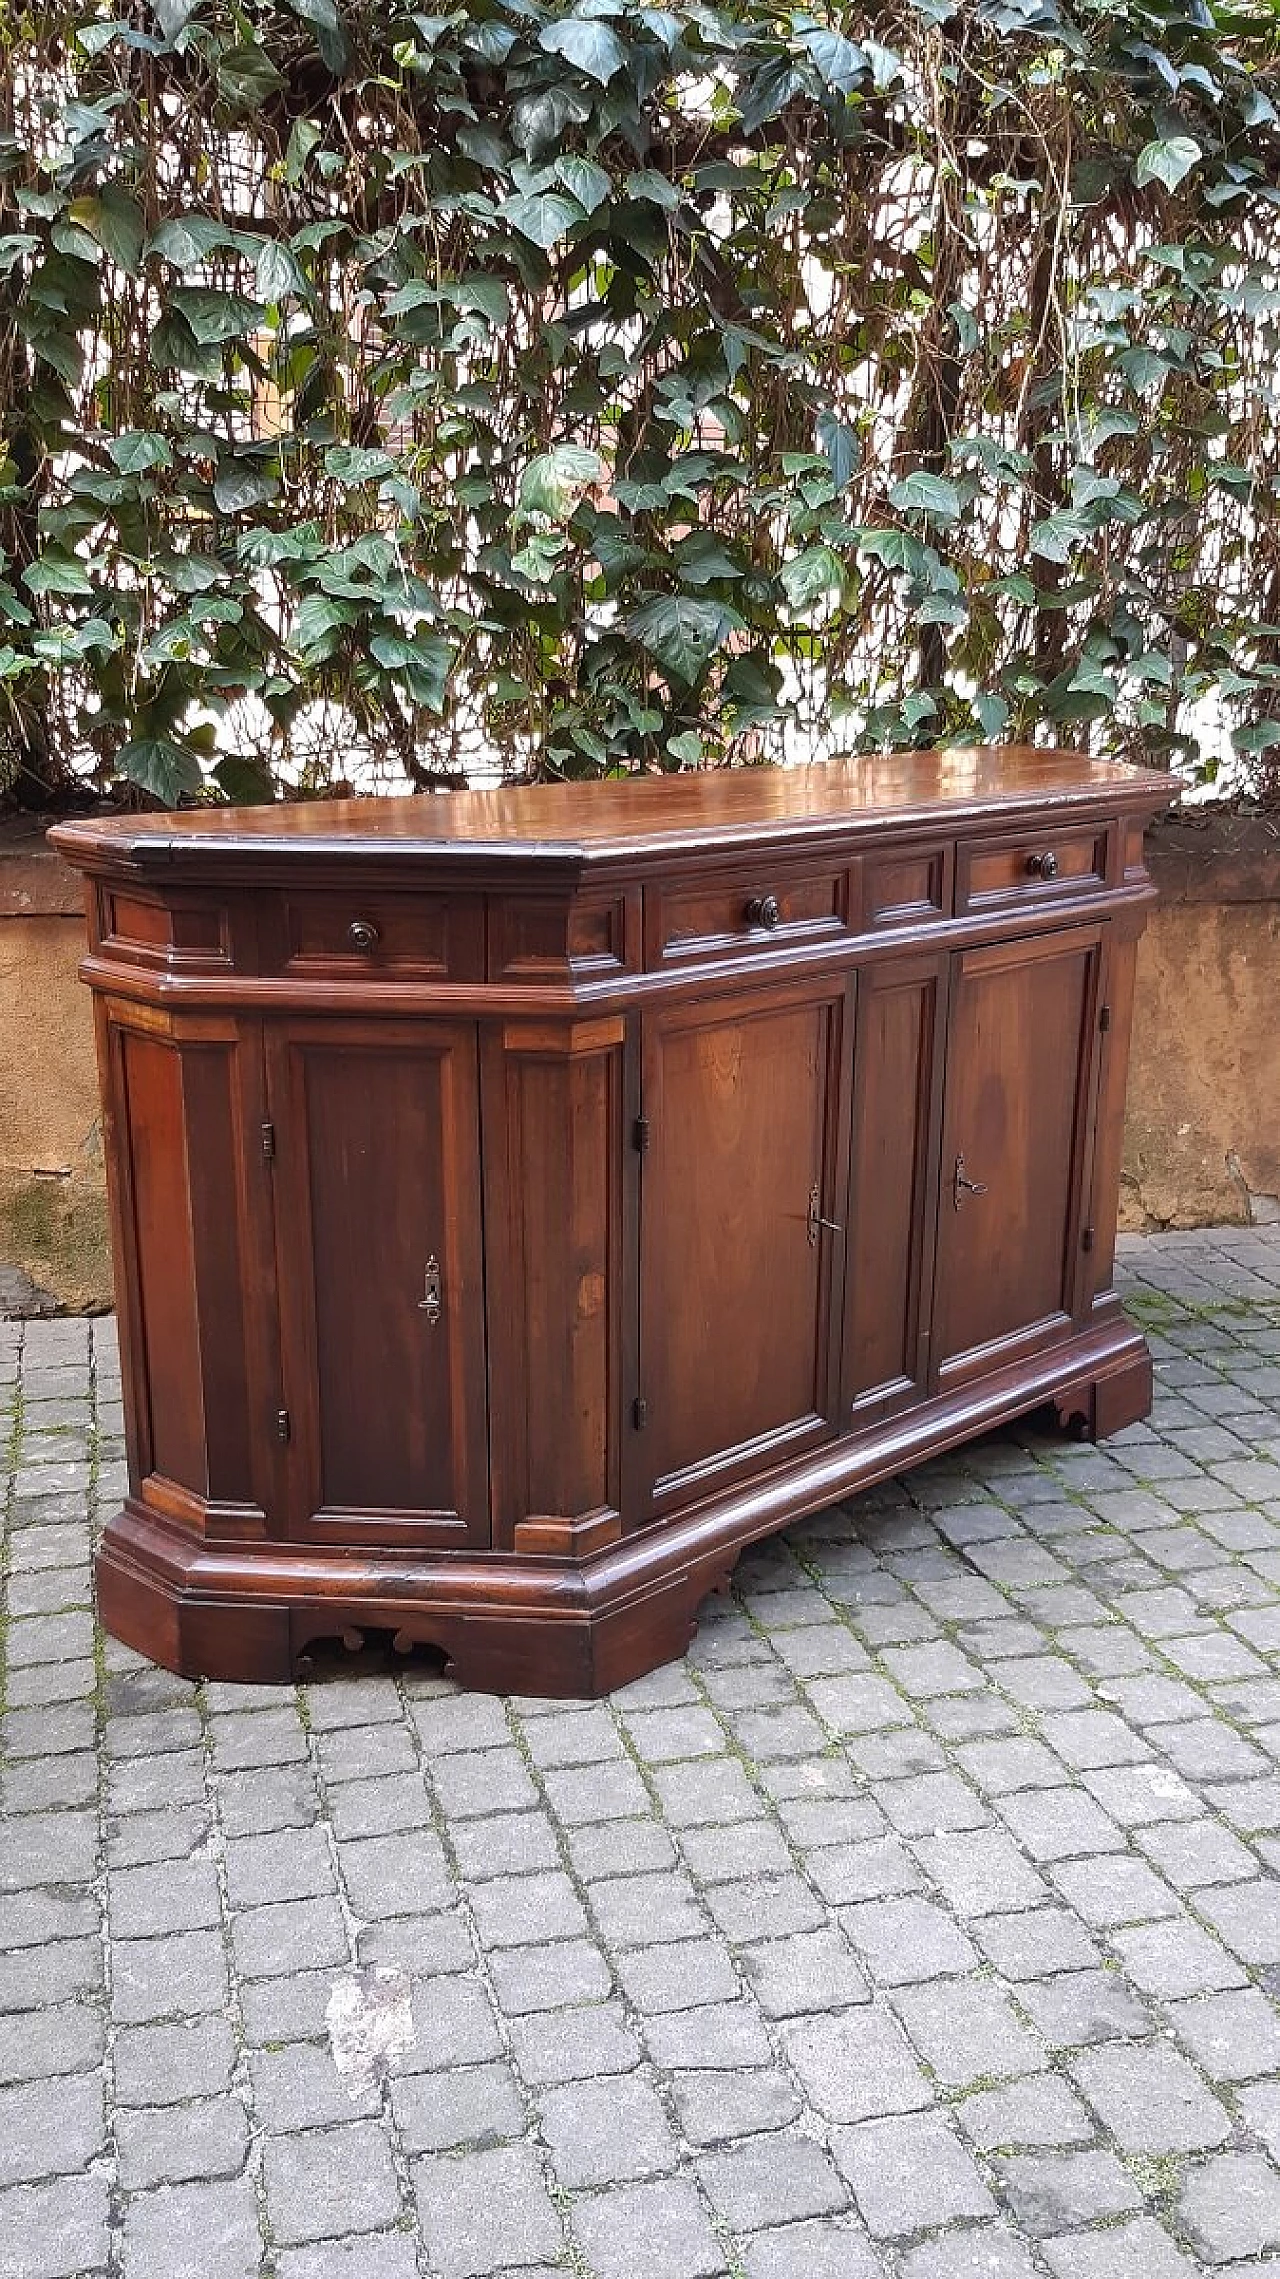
x,y
388,397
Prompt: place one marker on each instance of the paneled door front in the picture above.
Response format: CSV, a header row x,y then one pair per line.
x,y
375,1132
745,1101
1020,1073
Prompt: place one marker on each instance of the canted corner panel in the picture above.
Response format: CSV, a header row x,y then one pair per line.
x,y
557,1213
180,1117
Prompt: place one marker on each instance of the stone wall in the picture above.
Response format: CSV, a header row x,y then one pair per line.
x,y
1202,1138
1203,1134
54,1248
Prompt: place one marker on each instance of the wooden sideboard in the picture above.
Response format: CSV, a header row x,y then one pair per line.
x,y
525,1199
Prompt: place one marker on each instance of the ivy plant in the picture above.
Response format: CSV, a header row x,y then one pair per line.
x,y
388,395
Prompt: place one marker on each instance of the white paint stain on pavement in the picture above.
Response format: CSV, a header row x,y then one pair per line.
x,y
370,2021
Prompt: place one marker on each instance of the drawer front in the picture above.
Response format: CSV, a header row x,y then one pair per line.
x,y
398,937
1031,867
911,886
743,912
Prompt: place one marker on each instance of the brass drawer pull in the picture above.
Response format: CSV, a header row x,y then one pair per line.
x,y
1042,866
763,910
363,936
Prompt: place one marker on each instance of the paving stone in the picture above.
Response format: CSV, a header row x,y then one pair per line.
x,y
907,1940
1059,1824
568,1971
1055,2192
649,1910
279,1942
716,2108
607,2132
909,2175
1150,2099
1140,2250
476,2106
980,1871
813,1971
193,2231
681,1976
69,2040
453,2024
1230,2207
1084,2006
474,1783
781,1906
300,2087
590,2041
1234,2037
381,2255
511,1843
1260,2111
879,1869
827,2248
179,1895
595,1793
484,2210
1172,1959
968,2031
660,2229
1036,1944
182,1976
990,2252
770,2178
49,2128
328,2181
1040,2109
170,2064
59,2230
857,2067
1114,1890
722,2036
181,2144
1246,1917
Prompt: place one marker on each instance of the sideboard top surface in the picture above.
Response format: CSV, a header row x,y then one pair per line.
x,y
612,821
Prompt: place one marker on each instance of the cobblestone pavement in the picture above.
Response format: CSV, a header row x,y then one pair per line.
x,y
924,1922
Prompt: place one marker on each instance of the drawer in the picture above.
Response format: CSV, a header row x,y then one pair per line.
x,y
1031,867
907,887
387,936
748,911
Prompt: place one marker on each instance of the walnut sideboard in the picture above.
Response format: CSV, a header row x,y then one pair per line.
x,y
525,1199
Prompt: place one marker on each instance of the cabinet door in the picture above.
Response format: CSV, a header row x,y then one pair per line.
x,y
377,1170
1019,1079
893,1193
745,1102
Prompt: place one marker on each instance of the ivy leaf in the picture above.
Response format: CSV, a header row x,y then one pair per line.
x,y
840,446
1168,161
349,463
585,181
927,494
247,77
543,218
276,274
991,714
323,17
702,557
587,44
318,623
812,576
681,635
553,483
241,483
424,661
135,451
120,228
215,317
55,571
837,60
162,767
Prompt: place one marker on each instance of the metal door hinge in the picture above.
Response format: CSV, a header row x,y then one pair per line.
x,y
431,1303
640,1412
269,1143
640,1134
1086,1239
283,1426
1104,1018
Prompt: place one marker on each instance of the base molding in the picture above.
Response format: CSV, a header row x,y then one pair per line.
x,y
558,1625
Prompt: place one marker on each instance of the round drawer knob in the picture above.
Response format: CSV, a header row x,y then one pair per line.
x,y
763,910
363,936
1042,866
